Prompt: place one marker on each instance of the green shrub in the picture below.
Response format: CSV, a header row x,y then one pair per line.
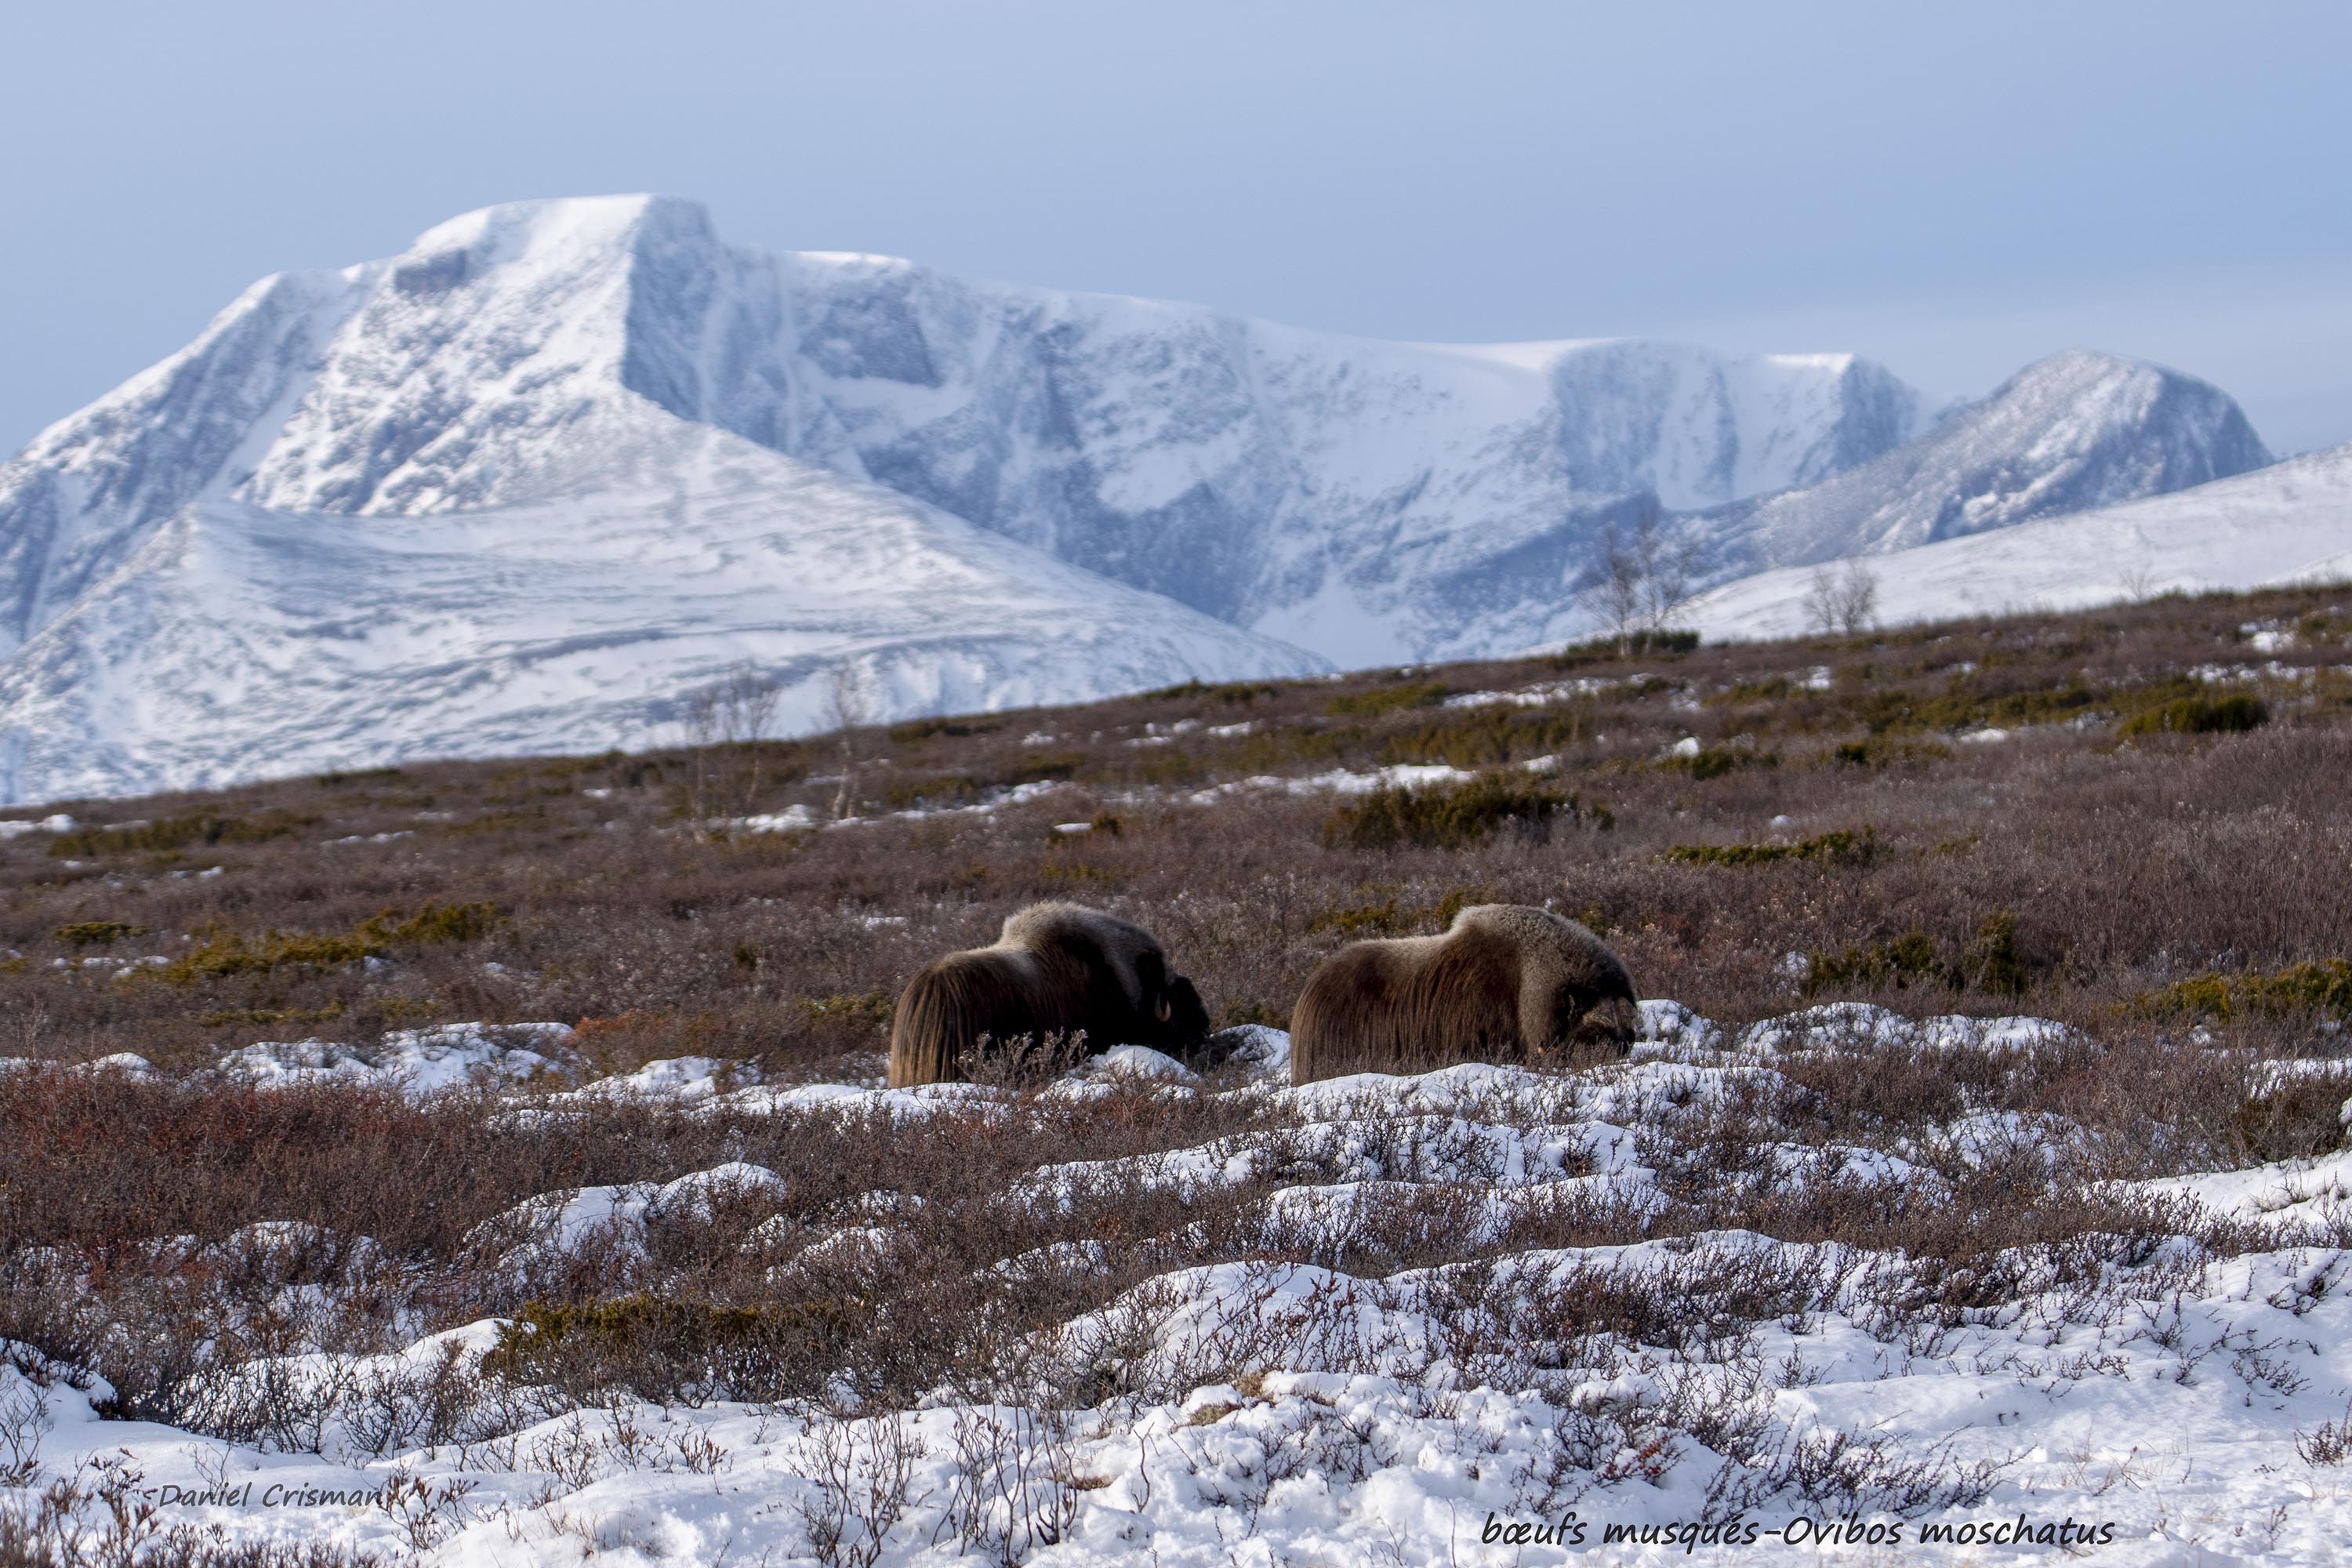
x,y
2322,985
1382,700
95,934
1909,960
1443,819
874,1008
1714,762
226,952
1487,737
1640,645
950,789
1389,918
1055,766
1842,847
1963,706
1994,961
2198,716
175,833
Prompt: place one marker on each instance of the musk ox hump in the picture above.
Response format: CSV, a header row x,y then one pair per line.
x,y
1121,948
1565,972
1053,969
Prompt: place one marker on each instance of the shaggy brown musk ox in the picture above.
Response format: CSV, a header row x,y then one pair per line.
x,y
1505,983
1055,969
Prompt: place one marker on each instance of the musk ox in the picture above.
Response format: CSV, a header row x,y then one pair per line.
x,y
1505,983
1055,969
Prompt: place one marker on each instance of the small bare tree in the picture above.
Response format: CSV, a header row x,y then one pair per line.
x,y
1642,580
747,722
847,709
1615,590
700,723
1842,602
728,721
1673,580
1857,599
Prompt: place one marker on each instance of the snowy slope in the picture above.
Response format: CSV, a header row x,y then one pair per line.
x,y
2069,433
2156,1399
2292,522
238,640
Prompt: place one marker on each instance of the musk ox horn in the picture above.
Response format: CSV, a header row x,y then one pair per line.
x,y
1505,982
1055,969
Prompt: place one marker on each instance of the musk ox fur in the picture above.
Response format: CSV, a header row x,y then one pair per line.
x,y
1055,970
1505,983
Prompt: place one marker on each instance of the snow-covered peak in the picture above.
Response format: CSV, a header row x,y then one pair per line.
x,y
2074,431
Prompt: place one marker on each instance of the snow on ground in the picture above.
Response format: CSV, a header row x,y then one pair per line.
x,y
2274,525
2164,1412
425,1061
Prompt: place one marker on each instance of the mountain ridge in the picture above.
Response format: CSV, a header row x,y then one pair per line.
x,y
1246,497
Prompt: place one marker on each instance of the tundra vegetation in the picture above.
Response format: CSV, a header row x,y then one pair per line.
x,y
2132,822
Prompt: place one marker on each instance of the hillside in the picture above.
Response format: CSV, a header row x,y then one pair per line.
x,y
1985,762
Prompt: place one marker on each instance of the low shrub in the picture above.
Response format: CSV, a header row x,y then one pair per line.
x,y
1390,918
1382,700
1715,761
917,730
2298,1120
1234,691
1842,847
660,1349
2323,985
2198,716
1487,737
226,952
1639,645
175,833
1884,751
1992,962
1909,960
1450,818
96,933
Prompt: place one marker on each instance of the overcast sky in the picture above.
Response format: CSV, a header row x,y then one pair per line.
x,y
1952,189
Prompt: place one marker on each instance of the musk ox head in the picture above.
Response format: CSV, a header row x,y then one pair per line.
x,y
1180,1021
1606,1031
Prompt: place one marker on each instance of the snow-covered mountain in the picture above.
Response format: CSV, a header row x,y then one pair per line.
x,y
332,529
2289,523
1370,500
2069,433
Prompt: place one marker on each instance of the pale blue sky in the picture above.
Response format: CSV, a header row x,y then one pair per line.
x,y
1955,189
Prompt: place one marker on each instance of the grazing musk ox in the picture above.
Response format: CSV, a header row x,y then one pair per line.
x,y
1505,983
1055,969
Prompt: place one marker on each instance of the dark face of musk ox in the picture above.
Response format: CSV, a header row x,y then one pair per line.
x,y
1607,1028
1179,1020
